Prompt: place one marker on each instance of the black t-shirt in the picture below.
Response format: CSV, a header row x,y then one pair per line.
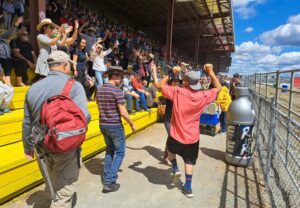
x,y
25,48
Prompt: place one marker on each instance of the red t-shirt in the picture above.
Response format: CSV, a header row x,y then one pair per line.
x,y
187,108
137,84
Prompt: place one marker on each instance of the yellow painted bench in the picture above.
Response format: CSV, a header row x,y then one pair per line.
x,y
18,174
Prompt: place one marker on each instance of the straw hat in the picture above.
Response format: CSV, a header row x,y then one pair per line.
x,y
151,55
45,21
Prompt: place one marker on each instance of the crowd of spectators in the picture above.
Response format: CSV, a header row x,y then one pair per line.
x,y
94,42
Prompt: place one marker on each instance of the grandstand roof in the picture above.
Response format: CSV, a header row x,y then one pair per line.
x,y
210,20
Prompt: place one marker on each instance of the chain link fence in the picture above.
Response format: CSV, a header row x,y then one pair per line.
x,y
278,147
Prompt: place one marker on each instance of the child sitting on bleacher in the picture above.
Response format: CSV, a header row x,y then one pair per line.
x,y
6,95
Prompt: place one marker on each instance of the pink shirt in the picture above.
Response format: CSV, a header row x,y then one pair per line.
x,y
187,108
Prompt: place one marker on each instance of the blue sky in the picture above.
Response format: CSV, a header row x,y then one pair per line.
x,y
267,35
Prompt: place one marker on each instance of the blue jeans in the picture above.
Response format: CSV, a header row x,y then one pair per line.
x,y
114,138
128,98
99,78
223,122
142,99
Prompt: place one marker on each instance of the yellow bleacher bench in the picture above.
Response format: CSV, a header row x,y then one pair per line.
x,y
18,174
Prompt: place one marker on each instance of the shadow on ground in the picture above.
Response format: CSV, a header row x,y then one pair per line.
x,y
42,199
154,152
39,199
95,166
216,154
157,176
241,188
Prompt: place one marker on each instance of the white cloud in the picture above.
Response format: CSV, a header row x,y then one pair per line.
x,y
246,8
294,19
251,57
249,29
284,35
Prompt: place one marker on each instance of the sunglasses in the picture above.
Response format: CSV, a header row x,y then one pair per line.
x,y
25,34
51,27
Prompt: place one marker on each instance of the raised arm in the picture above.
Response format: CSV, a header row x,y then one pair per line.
x,y
10,32
81,28
208,68
71,40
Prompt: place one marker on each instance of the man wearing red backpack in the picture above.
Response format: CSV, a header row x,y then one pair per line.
x,y
55,121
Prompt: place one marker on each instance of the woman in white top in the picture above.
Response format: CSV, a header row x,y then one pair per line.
x,y
47,43
97,56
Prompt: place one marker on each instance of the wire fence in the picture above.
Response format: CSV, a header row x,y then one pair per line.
x,y
278,147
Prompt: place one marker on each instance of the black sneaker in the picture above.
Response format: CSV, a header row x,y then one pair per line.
x,y
110,188
131,112
187,193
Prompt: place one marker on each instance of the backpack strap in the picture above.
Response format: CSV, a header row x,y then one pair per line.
x,y
67,89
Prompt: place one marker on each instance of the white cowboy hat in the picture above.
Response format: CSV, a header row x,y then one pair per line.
x,y
45,21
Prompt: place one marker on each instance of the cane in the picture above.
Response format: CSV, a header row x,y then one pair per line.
x,y
41,158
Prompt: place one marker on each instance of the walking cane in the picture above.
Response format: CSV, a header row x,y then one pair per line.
x,y
41,158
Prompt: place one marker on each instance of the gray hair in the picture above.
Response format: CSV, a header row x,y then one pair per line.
x,y
51,65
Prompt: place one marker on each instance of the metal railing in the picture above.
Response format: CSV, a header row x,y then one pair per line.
x,y
279,85
277,136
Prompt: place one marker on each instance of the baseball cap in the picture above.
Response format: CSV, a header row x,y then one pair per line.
x,y
59,57
236,75
193,79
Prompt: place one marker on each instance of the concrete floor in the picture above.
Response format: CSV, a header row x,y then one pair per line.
x,y
147,182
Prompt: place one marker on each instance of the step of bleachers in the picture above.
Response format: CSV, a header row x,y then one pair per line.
x,y
18,174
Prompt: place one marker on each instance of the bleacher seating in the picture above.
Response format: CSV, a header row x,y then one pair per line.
x,y
18,174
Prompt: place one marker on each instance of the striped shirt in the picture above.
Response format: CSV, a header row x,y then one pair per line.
x,y
108,99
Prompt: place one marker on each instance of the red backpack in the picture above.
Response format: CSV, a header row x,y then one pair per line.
x,y
64,121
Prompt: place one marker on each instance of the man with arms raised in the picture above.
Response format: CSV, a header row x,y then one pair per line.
x,y
188,104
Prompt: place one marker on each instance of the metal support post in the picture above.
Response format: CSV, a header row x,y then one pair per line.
x,y
37,12
170,29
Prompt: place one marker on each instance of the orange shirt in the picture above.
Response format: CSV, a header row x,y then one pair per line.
x,y
188,105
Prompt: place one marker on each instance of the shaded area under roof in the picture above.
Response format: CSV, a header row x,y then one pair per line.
x,y
203,29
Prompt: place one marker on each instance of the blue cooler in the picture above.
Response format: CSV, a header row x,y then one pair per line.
x,y
209,119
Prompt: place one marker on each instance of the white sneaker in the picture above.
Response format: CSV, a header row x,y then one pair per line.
x,y
176,176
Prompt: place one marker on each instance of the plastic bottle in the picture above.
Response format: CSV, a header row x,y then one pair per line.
x,y
240,121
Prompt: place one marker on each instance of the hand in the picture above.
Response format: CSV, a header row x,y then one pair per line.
x,y
61,30
176,70
31,65
133,127
147,94
68,30
29,155
91,83
208,68
76,25
115,46
19,21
